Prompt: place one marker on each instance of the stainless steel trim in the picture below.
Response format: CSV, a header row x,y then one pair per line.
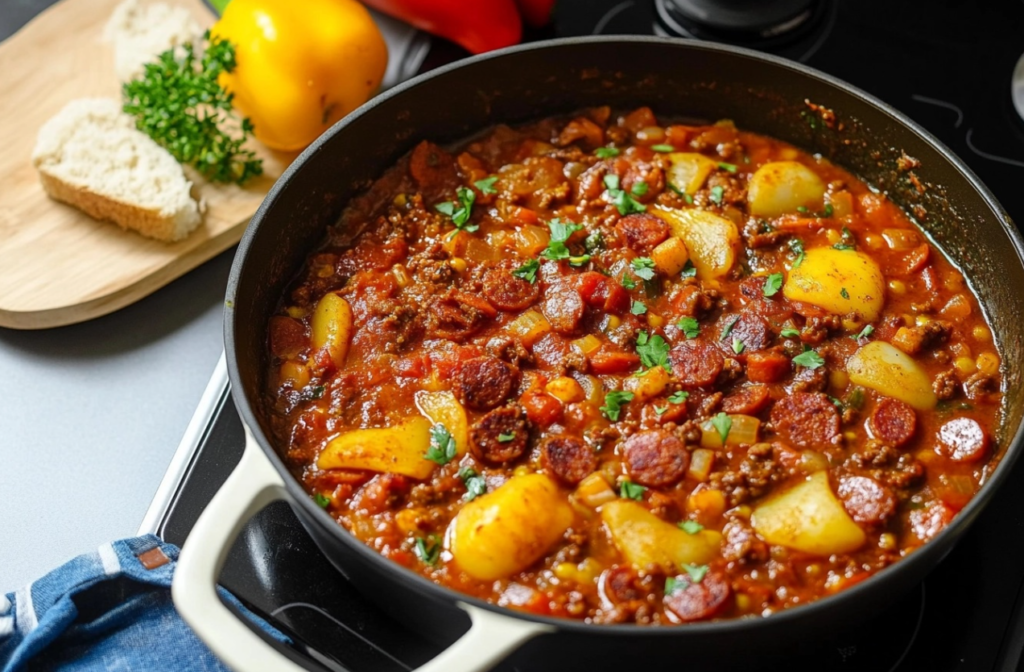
x,y
200,423
1017,87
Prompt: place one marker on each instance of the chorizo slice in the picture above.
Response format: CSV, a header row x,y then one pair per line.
x,y
621,585
568,458
643,232
749,328
655,458
484,382
749,400
563,306
696,363
806,420
893,422
508,292
452,319
698,600
962,440
500,436
866,500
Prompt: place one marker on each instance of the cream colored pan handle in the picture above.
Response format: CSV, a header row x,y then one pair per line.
x,y
252,485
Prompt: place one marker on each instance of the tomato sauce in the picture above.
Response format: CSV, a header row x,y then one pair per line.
x,y
602,368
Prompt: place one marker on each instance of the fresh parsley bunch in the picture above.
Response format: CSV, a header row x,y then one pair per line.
x,y
179,104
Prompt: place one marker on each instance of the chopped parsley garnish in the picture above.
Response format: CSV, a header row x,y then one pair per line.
x,y
628,282
696,572
593,242
640,188
476,485
827,212
317,392
613,402
631,490
643,267
660,410
622,200
664,149
528,271
802,209
505,438
809,359
773,284
442,445
717,193
428,550
737,345
679,397
865,332
688,198
789,332
843,293
461,210
560,233
723,423
638,308
689,326
728,328
689,270
848,242
728,167
606,152
653,350
322,500
486,185
835,402
672,584
796,246
690,526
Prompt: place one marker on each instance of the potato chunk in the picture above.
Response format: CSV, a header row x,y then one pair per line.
x,y
646,539
397,450
781,187
808,518
886,369
444,409
711,240
688,171
332,327
506,531
840,281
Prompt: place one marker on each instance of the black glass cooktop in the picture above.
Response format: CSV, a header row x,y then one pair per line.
x,y
946,64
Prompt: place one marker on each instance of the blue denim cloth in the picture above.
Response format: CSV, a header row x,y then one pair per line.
x,y
105,611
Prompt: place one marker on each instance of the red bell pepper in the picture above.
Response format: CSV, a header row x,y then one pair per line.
x,y
536,13
478,26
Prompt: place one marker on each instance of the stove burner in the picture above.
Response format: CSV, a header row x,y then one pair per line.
x,y
791,28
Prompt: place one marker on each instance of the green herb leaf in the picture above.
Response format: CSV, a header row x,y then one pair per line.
x,y
528,271
696,572
802,209
835,402
613,402
848,242
428,550
728,328
606,152
865,332
317,392
789,332
728,167
628,282
594,242
322,500
689,270
179,103
809,359
640,188
560,233
620,199
690,526
843,293
643,267
773,284
653,351
717,193
723,423
827,212
460,211
611,182
486,185
689,326
638,308
796,246
737,345
505,438
476,485
442,448
660,410
663,149
688,198
631,490
679,397
672,584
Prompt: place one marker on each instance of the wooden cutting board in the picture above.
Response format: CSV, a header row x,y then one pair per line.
x,y
57,265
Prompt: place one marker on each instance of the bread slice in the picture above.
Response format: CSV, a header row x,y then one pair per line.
x,y
141,32
91,156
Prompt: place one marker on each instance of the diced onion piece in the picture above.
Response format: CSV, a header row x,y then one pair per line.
x,y
644,539
702,461
670,257
901,239
842,204
808,518
531,240
588,344
592,387
529,326
742,431
444,409
397,450
711,240
988,363
455,244
889,371
957,308
688,171
478,250
647,386
840,281
594,491
505,531
331,327
781,187
565,389
401,274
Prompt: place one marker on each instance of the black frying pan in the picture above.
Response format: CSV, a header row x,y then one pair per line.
x,y
677,79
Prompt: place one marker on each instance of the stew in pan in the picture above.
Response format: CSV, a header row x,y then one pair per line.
x,y
614,370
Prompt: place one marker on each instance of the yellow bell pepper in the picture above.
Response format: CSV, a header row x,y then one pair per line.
x,y
301,66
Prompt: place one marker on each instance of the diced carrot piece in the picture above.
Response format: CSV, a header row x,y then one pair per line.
x,y
542,409
767,367
611,361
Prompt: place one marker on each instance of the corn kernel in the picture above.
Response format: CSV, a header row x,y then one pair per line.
x,y
565,389
838,379
566,571
850,435
897,287
299,313
400,200
980,333
613,322
833,236
521,470
988,363
655,320
742,602
922,320
965,366
408,520
458,264
887,541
